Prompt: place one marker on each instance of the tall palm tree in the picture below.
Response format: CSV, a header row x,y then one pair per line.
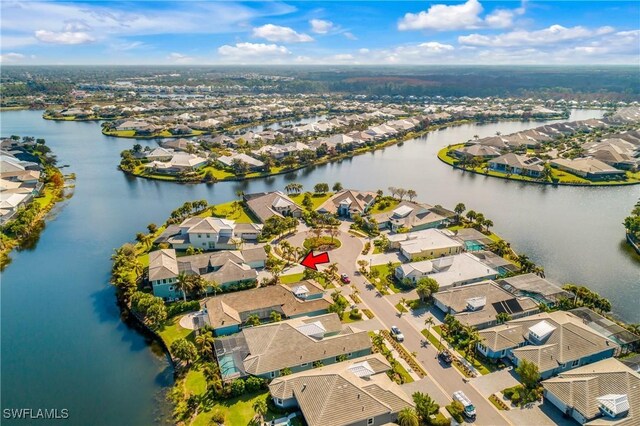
x,y
184,284
429,322
403,302
260,408
204,342
408,417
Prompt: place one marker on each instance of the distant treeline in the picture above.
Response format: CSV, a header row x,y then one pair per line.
x,y
580,83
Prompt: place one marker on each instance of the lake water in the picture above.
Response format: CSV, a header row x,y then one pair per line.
x,y
64,346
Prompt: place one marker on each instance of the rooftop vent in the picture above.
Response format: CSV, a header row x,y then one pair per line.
x,y
541,331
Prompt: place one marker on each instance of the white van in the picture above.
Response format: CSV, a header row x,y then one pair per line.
x,y
469,409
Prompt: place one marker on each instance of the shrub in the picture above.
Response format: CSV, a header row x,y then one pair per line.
x,y
355,314
252,384
217,416
515,397
237,387
456,409
180,307
439,421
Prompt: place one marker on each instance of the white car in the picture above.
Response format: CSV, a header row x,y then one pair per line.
x,y
397,334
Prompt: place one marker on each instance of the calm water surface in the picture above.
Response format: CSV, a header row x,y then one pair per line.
x,y
64,346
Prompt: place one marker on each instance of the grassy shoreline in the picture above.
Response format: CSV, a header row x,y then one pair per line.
x,y
445,158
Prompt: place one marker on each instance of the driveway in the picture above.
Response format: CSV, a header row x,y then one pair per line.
x,y
538,415
495,382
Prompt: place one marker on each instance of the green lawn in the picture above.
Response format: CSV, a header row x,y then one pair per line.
x,y
406,377
172,331
482,367
218,173
400,308
195,382
378,207
317,199
293,278
432,339
46,197
238,411
240,215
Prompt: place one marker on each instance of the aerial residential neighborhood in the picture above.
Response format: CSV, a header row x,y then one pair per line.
x,y
327,213
410,287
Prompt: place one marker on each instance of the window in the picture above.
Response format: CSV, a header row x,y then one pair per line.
x,y
272,374
164,281
370,421
278,401
304,364
575,363
199,235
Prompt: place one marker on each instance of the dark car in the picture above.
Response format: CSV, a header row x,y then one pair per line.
x,y
445,357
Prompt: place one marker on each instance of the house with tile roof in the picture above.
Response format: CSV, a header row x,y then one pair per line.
x,y
212,233
605,393
348,202
353,392
554,341
226,313
265,350
517,164
479,304
412,216
226,268
267,204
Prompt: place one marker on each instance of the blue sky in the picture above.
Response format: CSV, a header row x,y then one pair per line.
x,y
335,32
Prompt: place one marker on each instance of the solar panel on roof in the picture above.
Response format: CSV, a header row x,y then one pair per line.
x,y
513,305
499,307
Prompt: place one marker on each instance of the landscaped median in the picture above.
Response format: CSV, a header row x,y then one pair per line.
x,y
557,177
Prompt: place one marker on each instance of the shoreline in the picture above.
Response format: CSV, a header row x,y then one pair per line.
x,y
355,153
523,179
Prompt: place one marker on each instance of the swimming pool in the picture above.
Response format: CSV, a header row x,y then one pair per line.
x,y
228,366
473,245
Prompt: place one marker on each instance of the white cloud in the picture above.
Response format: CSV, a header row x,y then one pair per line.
x,y
277,33
64,37
253,51
343,57
551,35
179,58
349,35
320,26
441,17
466,16
11,57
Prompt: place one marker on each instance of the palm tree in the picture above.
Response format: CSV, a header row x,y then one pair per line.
x,y
204,342
403,302
260,408
184,284
332,269
408,417
429,322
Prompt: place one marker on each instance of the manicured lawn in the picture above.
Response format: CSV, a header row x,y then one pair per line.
x,y
195,382
121,133
47,196
406,377
482,367
172,331
238,411
432,339
217,173
400,308
293,278
324,241
384,272
381,208
317,199
240,214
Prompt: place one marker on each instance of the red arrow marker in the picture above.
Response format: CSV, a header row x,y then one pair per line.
x,y
311,260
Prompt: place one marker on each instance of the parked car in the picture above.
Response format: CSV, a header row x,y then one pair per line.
x,y
397,334
345,278
469,409
445,357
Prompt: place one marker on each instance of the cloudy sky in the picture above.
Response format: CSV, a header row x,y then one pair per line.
x,y
332,32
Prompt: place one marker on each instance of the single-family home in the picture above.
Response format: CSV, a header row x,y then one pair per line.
x,y
554,341
353,392
626,340
536,287
211,233
226,269
428,243
588,168
412,216
227,313
228,160
479,304
604,393
267,204
348,202
266,350
483,152
517,164
449,271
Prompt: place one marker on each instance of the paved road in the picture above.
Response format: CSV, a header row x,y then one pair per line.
x,y
448,378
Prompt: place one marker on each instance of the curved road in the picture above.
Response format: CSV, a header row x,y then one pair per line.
x,y
448,379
